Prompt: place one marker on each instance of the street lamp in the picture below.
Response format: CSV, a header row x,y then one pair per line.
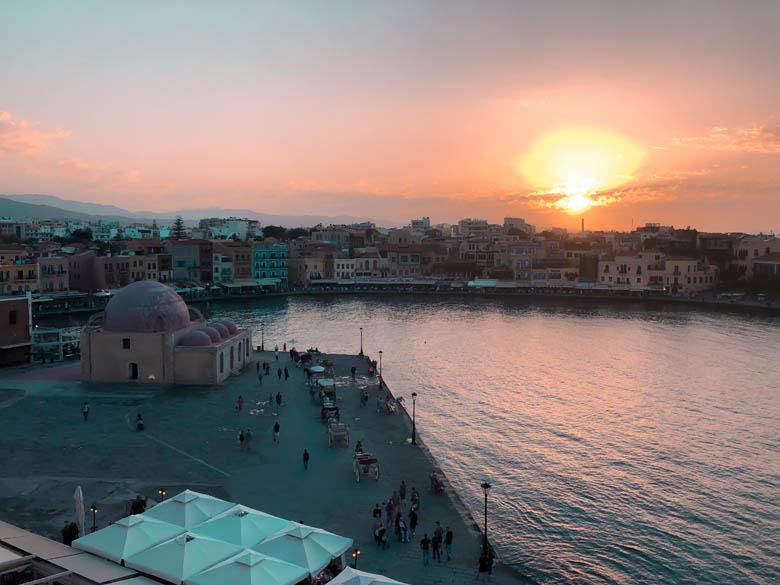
x,y
485,546
414,416
94,509
262,336
361,342
161,492
355,556
380,363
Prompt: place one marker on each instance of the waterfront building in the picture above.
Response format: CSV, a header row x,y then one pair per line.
x,y
223,269
53,273
192,260
684,275
270,260
766,270
18,273
631,269
521,259
239,254
345,267
147,333
749,248
15,330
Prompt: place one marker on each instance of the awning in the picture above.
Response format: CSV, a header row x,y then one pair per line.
x,y
305,546
43,300
188,509
241,526
327,382
482,283
350,576
268,281
127,537
251,568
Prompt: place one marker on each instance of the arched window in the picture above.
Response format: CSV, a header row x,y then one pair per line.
x,y
231,357
221,362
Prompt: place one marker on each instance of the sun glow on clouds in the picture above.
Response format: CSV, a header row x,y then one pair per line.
x,y
578,164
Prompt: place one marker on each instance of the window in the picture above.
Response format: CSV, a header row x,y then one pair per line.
x,y
231,357
12,318
126,343
221,362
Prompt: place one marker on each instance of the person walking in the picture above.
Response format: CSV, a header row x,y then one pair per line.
x,y
402,491
425,544
285,347
278,399
305,460
258,367
354,369
259,376
249,437
286,374
239,403
377,513
415,499
413,521
436,542
448,543
279,373
389,509
85,411
276,352
396,500
276,432
241,439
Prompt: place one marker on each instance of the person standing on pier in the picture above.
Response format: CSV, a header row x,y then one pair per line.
x,y
448,543
276,432
249,436
305,460
241,438
425,544
402,491
279,373
85,411
286,374
413,521
276,352
278,399
354,369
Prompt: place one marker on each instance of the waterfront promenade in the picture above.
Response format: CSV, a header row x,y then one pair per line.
x,y
190,441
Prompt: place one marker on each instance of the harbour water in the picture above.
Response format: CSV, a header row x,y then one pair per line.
x,y
626,443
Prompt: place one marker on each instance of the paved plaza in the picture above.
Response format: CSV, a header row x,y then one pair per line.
x,y
191,441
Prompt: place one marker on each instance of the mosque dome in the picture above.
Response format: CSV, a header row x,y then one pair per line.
x,y
223,331
196,338
231,327
212,333
146,306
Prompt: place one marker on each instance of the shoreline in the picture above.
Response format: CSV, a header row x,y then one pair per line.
x,y
711,304
115,462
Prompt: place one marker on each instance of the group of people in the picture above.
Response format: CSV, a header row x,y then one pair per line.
x,y
393,508
435,544
264,369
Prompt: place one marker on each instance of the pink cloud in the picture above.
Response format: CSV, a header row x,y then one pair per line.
x,y
749,139
16,137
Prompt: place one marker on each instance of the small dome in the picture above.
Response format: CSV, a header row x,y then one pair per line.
x,y
146,306
232,327
196,338
212,333
223,331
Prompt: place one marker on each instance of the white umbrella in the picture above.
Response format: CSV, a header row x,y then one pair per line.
x,y
350,576
316,369
250,568
78,497
127,537
305,546
326,382
188,509
242,526
182,557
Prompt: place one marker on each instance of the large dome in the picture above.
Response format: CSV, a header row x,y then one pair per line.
x,y
145,307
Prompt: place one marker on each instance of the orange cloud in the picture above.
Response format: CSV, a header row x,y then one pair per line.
x,y
16,137
750,139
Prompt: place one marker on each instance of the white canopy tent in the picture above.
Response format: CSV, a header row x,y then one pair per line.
x,y
316,369
305,546
127,537
188,509
326,382
182,557
350,576
242,526
250,568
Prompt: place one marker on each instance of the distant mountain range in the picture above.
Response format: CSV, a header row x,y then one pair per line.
x,y
51,207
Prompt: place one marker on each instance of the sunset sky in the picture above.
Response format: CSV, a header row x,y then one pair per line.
x,y
655,111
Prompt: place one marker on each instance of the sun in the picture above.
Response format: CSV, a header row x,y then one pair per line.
x,y
578,164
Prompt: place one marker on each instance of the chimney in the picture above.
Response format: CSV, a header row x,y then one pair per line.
x,y
582,228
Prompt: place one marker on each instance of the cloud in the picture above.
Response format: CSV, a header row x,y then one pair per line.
x,y
749,139
17,138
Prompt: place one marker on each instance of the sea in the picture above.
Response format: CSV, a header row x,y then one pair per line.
x,y
625,443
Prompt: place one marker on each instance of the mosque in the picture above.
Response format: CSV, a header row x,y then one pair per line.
x,y
147,333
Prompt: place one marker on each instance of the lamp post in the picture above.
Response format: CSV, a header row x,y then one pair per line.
x,y
356,555
380,363
414,416
485,546
161,492
94,509
262,336
361,342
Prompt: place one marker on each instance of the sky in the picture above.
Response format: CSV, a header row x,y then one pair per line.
x,y
622,112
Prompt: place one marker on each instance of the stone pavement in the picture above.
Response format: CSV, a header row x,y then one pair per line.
x,y
191,441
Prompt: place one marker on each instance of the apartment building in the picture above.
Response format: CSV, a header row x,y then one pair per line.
x,y
53,273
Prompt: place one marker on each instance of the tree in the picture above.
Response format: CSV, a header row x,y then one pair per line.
x,y
81,236
296,233
178,228
274,231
